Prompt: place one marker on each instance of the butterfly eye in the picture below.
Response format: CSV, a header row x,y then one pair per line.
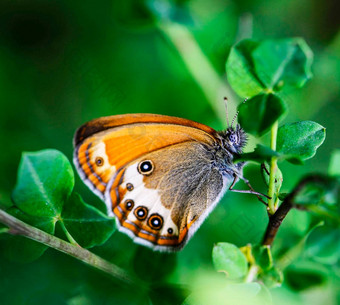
x,y
233,138
155,221
141,212
145,167
99,161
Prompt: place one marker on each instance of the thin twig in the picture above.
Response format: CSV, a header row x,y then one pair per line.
x,y
18,227
276,219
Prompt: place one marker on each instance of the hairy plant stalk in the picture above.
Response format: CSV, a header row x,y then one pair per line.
x,y
18,227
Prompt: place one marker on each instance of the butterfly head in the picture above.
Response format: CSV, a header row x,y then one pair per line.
x,y
234,139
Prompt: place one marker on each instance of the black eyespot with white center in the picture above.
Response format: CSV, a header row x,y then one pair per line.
x,y
155,221
141,212
99,161
129,204
145,167
170,230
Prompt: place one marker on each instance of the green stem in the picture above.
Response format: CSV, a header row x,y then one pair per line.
x,y
252,274
68,235
199,66
17,227
276,204
273,168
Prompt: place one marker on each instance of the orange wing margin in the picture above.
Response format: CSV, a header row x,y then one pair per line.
x,y
104,123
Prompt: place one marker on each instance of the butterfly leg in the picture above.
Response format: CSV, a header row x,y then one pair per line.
x,y
250,191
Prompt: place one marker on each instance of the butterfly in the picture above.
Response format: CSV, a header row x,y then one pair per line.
x,y
159,176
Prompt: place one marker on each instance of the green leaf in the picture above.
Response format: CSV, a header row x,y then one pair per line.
x,y
42,194
260,258
263,257
42,197
299,141
87,225
283,63
258,114
45,181
323,192
229,259
272,277
240,69
296,142
334,164
268,66
260,154
323,244
305,275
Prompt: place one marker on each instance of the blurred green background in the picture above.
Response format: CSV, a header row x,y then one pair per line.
x,y
63,63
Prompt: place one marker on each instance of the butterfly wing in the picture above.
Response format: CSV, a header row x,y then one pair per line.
x,y
163,209
162,205
105,145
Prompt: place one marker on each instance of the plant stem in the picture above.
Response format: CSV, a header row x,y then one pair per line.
x,y
252,274
276,219
68,235
197,63
273,168
18,227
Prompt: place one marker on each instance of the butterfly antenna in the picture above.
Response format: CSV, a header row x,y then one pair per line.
x,y
226,109
234,118
236,114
